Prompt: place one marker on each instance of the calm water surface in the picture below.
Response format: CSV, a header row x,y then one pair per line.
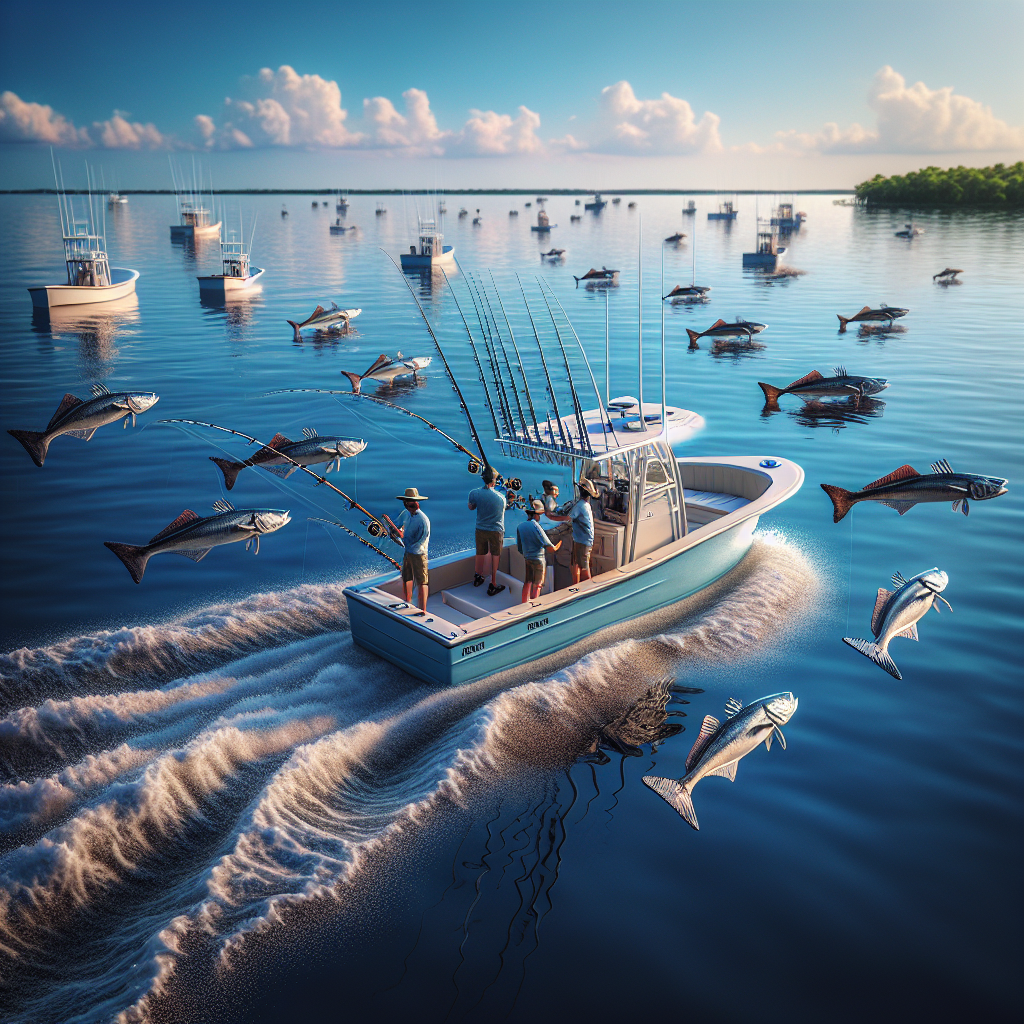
x,y
215,807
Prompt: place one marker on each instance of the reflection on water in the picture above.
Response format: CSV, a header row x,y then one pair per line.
x,y
835,413
238,311
95,326
736,348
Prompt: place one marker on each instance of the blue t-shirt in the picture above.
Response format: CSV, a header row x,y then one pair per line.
x,y
550,502
417,531
490,509
532,540
582,516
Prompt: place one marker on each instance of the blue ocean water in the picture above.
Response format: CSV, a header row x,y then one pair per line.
x,y
214,806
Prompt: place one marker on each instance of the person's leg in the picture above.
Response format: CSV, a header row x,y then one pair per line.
x,y
424,592
585,564
408,591
526,592
494,569
480,562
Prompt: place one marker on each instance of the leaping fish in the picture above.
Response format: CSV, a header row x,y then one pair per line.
x,y
604,274
903,488
884,313
720,329
814,383
322,319
81,419
385,369
897,613
720,745
193,536
312,449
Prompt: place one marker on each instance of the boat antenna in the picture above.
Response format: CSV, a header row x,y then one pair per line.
x,y
640,316
547,376
440,352
57,189
519,360
252,234
607,357
664,410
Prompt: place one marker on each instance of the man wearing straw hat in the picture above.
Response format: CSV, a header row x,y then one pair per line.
x,y
582,516
532,542
414,529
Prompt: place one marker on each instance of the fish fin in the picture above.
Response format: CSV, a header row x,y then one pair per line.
x,y
34,442
220,505
910,633
903,507
957,504
967,507
99,389
875,653
676,794
771,393
782,739
903,473
942,466
381,360
229,469
876,614
186,517
866,309
898,580
708,728
278,441
82,435
196,554
732,706
839,371
281,471
842,500
67,402
312,316
768,741
133,556
807,378
718,323
334,306
355,380
309,433
727,771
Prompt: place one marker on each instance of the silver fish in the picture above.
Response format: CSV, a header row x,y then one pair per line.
x,y
322,319
842,384
385,369
897,612
884,313
720,329
81,419
307,452
903,488
193,536
720,745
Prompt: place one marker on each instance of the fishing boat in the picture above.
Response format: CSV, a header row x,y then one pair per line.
x,y
341,206
543,224
337,228
236,273
690,209
193,217
785,219
116,199
726,211
432,249
616,200
463,212
597,204
665,527
91,278
381,209
767,250
909,231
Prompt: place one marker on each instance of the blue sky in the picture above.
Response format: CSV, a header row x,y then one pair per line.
x,y
517,93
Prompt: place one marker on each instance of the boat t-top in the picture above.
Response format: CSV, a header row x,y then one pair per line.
x,y
236,274
665,527
726,211
432,249
767,251
597,204
91,278
690,209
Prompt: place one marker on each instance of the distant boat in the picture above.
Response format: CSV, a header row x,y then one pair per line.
x,y
91,279
381,209
116,199
432,249
342,204
575,216
513,213
465,213
910,231
690,209
786,220
677,237
726,211
236,275
552,254
337,228
193,217
441,208
577,202
527,205
631,206
616,200
284,210
543,224
597,204
767,251
477,220
541,199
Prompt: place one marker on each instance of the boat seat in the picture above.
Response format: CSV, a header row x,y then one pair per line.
x,y
474,602
716,500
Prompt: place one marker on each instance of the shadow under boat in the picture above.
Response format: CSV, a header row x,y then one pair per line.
x,y
95,327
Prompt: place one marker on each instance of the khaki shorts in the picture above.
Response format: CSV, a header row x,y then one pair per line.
x,y
489,541
534,572
581,555
414,567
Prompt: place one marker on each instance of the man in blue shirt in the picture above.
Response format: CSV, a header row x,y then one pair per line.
x,y
582,516
532,541
414,529
490,530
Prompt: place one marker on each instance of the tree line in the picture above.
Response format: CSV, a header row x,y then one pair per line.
x,y
998,187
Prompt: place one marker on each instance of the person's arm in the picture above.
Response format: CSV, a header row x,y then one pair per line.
x,y
472,503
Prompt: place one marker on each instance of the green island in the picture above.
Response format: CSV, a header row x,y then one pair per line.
x,y
997,188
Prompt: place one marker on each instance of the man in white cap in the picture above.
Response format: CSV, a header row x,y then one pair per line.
x,y
490,530
414,529
532,542
582,516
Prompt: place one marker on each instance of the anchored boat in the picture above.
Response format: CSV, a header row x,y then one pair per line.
x,y
664,527
432,248
597,204
236,274
726,211
543,224
767,251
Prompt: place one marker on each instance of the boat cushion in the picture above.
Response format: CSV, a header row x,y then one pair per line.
x,y
723,503
473,601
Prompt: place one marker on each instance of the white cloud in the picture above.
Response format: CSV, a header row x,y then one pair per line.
x,y
487,133
389,129
662,126
36,122
913,119
120,133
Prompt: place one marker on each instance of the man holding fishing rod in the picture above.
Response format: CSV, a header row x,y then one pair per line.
x,y
413,529
490,530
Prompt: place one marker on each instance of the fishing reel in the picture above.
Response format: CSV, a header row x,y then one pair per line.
x,y
474,466
512,500
374,529
515,483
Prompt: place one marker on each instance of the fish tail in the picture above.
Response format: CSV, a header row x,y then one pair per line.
x,y
677,795
842,500
771,393
295,327
34,443
694,335
875,653
133,556
229,469
843,321
355,380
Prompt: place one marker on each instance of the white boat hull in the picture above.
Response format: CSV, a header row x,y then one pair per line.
x,y
51,295
184,231
218,284
412,261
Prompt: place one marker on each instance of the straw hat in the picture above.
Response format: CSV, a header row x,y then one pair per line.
x,y
537,506
588,486
411,494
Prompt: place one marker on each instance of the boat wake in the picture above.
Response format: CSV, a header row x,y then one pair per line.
x,y
172,791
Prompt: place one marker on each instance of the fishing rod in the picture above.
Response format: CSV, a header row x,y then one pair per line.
x,y
485,334
508,366
495,341
332,522
298,465
440,352
519,359
544,364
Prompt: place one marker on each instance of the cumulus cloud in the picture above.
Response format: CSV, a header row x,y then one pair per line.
x,y
120,133
913,119
416,129
36,122
663,126
488,133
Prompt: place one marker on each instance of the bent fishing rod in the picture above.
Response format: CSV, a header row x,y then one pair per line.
x,y
334,522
